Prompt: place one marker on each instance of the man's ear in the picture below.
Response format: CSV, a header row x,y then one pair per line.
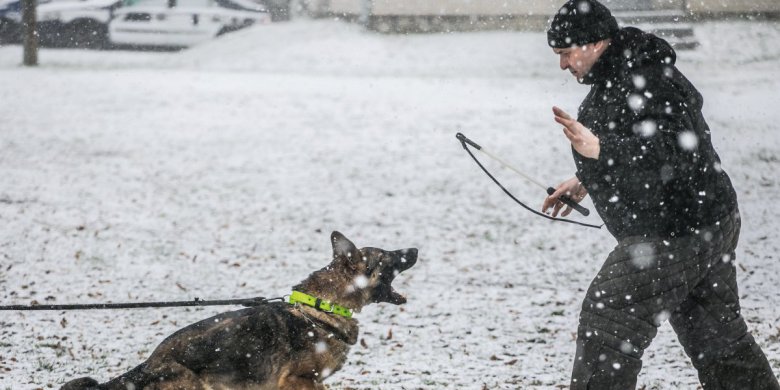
x,y
601,45
343,248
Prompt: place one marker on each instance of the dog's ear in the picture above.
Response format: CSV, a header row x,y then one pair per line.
x,y
343,248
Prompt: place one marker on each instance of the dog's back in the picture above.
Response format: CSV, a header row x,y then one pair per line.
x,y
240,345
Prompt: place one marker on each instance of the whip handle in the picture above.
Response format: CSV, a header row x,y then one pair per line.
x,y
569,202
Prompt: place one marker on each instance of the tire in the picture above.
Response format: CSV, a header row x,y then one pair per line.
x,y
224,30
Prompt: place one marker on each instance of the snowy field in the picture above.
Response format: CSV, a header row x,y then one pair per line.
x,y
220,171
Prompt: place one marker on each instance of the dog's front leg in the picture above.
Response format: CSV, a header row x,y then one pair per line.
x,y
299,383
290,381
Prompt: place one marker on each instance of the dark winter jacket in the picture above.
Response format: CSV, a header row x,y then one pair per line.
x,y
657,173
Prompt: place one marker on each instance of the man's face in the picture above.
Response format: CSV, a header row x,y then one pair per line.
x,y
579,59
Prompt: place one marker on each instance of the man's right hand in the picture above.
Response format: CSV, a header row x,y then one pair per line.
x,y
571,188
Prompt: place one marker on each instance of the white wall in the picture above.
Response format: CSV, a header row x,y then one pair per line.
x,y
532,7
733,6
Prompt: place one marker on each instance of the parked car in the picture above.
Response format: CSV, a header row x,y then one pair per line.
x,y
10,28
182,23
72,23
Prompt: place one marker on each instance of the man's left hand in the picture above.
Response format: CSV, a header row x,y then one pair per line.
x,y
581,138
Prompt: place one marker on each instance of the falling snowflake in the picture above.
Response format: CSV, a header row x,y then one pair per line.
x,y
361,281
583,7
636,101
642,255
688,140
661,317
639,81
646,128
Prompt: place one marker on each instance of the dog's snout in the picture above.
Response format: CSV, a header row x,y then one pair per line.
x,y
408,257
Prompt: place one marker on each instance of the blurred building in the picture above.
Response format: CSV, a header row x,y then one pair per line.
x,y
670,19
438,15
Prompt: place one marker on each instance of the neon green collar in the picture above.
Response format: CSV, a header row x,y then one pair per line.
x,y
319,304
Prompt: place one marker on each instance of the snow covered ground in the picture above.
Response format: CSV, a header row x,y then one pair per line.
x,y
220,172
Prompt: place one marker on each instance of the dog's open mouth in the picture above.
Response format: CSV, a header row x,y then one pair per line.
x,y
404,259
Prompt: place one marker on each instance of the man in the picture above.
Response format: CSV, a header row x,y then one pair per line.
x,y
643,153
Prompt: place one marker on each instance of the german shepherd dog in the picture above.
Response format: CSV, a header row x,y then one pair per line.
x,y
282,345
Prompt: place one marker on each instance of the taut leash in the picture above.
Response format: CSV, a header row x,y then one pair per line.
x,y
248,302
550,190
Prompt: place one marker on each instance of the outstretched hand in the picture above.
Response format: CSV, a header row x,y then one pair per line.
x,y
582,139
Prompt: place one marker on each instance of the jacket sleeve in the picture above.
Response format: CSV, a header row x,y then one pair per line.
x,y
655,127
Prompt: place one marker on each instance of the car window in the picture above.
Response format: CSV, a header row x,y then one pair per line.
x,y
146,3
240,5
167,3
195,3
138,17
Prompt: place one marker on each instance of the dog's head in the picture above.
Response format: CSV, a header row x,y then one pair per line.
x,y
358,277
372,269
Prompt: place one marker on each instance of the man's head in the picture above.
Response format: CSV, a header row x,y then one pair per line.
x,y
580,59
579,32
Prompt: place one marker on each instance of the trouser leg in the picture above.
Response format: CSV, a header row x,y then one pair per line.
x,y
637,288
715,336
689,280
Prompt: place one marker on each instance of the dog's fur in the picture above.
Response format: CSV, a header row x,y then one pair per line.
x,y
276,345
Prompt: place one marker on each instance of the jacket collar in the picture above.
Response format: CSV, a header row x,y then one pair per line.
x,y
605,66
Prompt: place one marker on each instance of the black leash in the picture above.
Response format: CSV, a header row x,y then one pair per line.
x,y
247,302
466,142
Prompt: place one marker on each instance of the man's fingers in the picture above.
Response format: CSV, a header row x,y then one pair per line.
x,y
564,121
557,209
559,112
552,201
548,202
568,133
566,212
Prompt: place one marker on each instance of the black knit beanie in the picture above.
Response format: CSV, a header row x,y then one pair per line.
x,y
580,22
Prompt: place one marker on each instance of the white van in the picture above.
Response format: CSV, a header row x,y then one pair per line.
x,y
181,23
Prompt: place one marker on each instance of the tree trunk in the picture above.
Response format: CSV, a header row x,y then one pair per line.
x,y
28,30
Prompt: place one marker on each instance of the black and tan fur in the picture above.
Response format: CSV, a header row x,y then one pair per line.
x,y
273,346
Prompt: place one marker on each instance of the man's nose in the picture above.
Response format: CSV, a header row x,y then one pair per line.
x,y
564,64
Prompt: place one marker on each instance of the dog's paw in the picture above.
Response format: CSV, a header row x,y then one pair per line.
x,y
80,384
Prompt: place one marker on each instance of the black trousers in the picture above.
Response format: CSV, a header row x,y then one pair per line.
x,y
690,281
